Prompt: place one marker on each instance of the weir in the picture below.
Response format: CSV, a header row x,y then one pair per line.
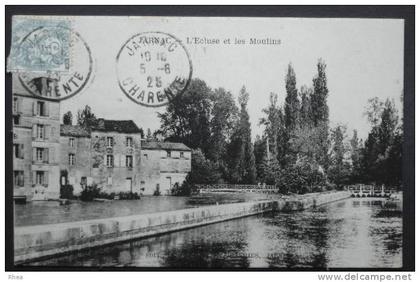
x,y
42,241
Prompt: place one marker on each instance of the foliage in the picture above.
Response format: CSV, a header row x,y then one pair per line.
x,y
66,191
292,104
339,169
381,159
203,171
274,128
187,117
149,136
302,177
305,106
128,196
318,100
86,118
90,192
223,117
183,190
241,159
68,118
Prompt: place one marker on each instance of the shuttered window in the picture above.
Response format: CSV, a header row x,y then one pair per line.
x,y
109,160
41,155
19,179
129,142
40,133
72,159
41,178
109,141
18,151
129,161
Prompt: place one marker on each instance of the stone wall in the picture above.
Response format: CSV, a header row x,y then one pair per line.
x,y
158,169
83,165
116,178
46,240
32,242
29,119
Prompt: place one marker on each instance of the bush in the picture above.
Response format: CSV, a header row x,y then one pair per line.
x,y
90,192
186,189
66,192
128,196
157,191
301,178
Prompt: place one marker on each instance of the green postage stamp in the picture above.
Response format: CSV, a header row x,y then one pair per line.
x,y
39,44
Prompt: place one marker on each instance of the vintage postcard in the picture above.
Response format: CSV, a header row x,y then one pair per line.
x,y
207,142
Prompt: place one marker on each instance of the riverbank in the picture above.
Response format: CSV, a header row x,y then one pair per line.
x,y
34,242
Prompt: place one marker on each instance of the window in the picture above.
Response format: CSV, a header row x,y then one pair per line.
x,y
18,151
181,154
129,161
19,178
129,142
40,131
109,160
16,120
109,141
168,154
39,154
40,178
15,105
40,108
71,142
72,159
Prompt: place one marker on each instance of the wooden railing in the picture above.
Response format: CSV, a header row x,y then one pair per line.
x,y
236,188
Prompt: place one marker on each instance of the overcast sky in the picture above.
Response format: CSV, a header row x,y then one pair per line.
x,y
364,59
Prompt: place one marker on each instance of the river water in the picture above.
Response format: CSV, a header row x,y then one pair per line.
x,y
349,233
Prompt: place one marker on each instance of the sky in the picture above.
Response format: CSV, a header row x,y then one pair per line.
x,y
364,59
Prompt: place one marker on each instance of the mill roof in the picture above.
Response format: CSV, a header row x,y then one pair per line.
x,y
154,145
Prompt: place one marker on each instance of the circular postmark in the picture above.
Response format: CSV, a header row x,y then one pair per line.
x,y
153,67
59,85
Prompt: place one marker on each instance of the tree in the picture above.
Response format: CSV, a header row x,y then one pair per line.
x,y
356,158
260,156
318,100
273,122
187,117
292,105
68,118
338,170
86,118
319,112
241,154
305,107
383,148
149,135
203,171
224,115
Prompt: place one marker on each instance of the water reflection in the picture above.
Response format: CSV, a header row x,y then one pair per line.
x,y
350,233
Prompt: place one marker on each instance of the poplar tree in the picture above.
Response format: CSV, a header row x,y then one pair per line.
x,y
305,106
338,170
241,149
292,105
318,100
320,112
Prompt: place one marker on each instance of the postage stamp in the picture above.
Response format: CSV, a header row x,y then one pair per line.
x,y
56,85
153,67
40,45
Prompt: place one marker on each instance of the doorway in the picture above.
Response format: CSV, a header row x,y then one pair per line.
x,y
129,184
